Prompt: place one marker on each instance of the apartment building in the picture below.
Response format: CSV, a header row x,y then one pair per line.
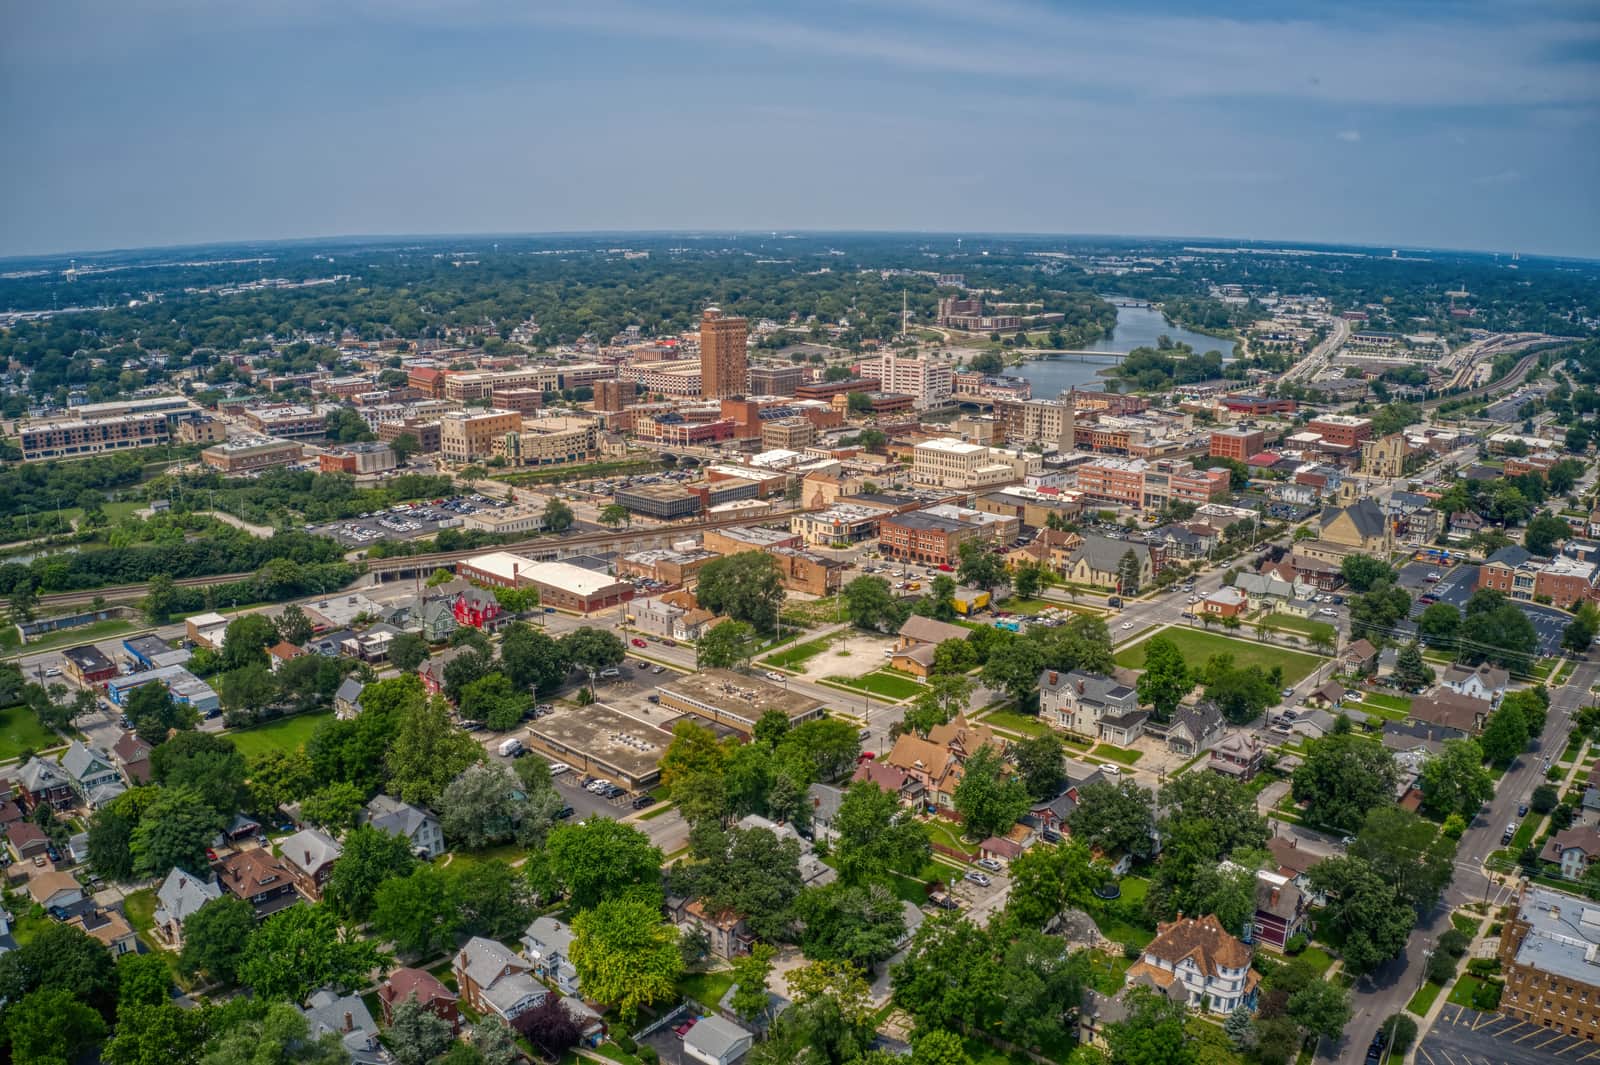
x,y
521,400
789,434
1149,485
289,421
249,454
426,433
1515,573
923,537
77,437
680,378
839,526
1550,954
967,314
723,369
549,442
987,386
1238,444
612,395
1341,430
951,463
928,381
467,436
1047,422
472,387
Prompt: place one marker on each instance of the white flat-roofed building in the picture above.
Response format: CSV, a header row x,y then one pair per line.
x,y
951,463
560,584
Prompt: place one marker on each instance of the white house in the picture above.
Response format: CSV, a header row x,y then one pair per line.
x,y
1091,705
1485,682
547,945
402,819
1198,963
180,895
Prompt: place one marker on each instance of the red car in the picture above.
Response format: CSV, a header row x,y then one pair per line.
x,y
211,855
638,642
681,1030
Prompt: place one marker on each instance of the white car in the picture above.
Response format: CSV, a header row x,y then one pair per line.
x,y
978,878
557,768
1329,612
774,675
1111,770
1127,624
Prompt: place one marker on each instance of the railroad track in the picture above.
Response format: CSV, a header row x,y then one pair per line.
x,y
379,566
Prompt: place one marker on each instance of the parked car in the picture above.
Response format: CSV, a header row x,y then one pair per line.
x,y
989,864
978,878
638,642
557,768
641,801
774,675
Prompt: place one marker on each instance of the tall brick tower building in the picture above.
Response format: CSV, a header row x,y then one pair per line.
x,y
722,355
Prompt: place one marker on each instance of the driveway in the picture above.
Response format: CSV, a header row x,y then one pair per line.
x,y
1463,1036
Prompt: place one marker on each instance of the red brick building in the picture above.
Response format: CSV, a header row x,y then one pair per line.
x,y
1343,430
925,538
1237,444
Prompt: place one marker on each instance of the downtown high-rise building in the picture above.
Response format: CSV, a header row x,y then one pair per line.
x,y
722,354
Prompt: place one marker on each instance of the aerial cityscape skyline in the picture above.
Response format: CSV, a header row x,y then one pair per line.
x,y
1417,125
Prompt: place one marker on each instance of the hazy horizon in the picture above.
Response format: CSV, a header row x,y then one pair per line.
x,y
1415,124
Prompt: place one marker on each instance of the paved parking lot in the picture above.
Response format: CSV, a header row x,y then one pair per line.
x,y
406,522
1462,1036
1461,581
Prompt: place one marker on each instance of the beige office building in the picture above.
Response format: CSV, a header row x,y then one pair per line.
x,y
467,436
549,442
951,463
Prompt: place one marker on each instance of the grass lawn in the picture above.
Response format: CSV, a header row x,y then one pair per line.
x,y
1422,1001
1134,889
1298,625
794,656
20,731
706,988
942,831
1108,972
1543,668
1372,700
1461,991
656,811
97,630
1117,754
888,685
140,908
1318,957
1025,606
1196,647
1465,923
1026,724
1525,832
284,734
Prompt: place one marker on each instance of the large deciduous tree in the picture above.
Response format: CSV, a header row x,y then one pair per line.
x,y
874,835
745,587
602,859
625,954
304,948
988,798
428,751
1341,778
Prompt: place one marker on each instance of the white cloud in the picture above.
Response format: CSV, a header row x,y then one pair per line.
x,y
1349,136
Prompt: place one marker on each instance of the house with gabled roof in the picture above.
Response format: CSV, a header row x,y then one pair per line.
x,y
1574,848
1091,705
426,989
1487,682
92,777
178,898
1196,962
40,781
415,824
547,945
310,855
1445,707
132,757
493,979
347,1018
1195,727
259,879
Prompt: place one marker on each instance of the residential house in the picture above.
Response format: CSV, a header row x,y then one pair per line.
x,y
825,800
131,755
434,619
1326,695
714,1040
259,879
1187,541
39,781
347,700
55,890
1196,962
1051,815
913,650
1009,847
1225,603
426,989
283,652
727,936
547,945
1091,705
431,672
1574,849
1238,755
310,855
1295,864
1195,728
1445,707
1413,735
1359,657
110,928
1485,682
890,779
1280,910
1265,587
26,839
180,895
92,777
403,819
813,870
347,1017
494,980
1464,525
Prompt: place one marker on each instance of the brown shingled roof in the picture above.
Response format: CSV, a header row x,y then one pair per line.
x,y
1204,939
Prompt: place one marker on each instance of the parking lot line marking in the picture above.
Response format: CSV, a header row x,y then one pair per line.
x,y
1485,1020
1591,1054
1530,1035
1556,1038
1424,1052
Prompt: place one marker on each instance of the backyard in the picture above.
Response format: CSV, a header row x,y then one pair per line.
x,y
20,731
1299,626
1197,647
284,734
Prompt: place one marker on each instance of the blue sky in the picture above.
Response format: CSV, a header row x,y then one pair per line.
x,y
1441,123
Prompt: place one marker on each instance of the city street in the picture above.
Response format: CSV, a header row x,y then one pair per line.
x,y
1391,987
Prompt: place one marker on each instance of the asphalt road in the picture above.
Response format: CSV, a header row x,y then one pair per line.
x,y
1389,989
